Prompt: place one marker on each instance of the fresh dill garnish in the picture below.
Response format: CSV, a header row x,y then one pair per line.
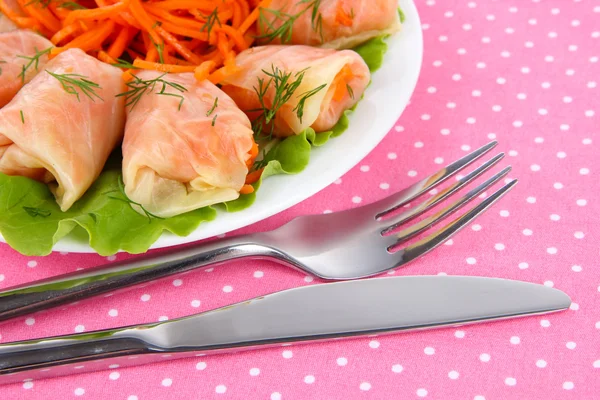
x,y
43,3
37,212
127,200
212,109
284,31
211,19
350,91
157,23
33,60
22,116
160,49
303,97
71,5
284,86
214,120
138,87
352,13
124,64
71,82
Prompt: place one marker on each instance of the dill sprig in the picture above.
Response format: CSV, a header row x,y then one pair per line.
x,y
72,82
284,31
284,85
71,5
138,87
33,60
160,49
211,19
302,100
42,3
350,91
22,116
127,200
214,106
214,120
37,212
124,64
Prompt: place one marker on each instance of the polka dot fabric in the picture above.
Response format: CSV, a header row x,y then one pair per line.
x,y
526,73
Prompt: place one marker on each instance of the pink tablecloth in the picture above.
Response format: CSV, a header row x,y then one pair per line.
x,y
526,73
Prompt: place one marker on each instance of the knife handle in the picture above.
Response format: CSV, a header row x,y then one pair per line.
x,y
67,288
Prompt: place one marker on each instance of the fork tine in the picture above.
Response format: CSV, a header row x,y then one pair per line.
x,y
432,241
433,201
397,200
428,222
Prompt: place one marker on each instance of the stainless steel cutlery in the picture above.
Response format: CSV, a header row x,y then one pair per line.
x,y
318,312
351,244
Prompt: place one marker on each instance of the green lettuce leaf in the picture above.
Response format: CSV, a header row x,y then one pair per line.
x,y
31,222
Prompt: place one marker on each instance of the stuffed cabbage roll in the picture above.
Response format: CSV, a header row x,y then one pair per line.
x,y
339,24
324,82
15,47
185,148
61,126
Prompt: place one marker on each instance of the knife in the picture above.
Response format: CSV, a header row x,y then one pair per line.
x,y
317,312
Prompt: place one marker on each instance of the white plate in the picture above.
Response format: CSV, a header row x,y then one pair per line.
x,y
384,102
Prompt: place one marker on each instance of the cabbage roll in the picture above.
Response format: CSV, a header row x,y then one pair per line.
x,y
338,24
325,83
15,46
61,127
185,148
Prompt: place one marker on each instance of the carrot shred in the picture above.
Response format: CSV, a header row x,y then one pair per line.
x,y
203,70
342,17
254,176
42,14
103,56
171,68
64,33
97,13
253,17
247,189
120,43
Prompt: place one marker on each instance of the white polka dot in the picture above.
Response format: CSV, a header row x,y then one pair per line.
x,y
456,77
451,105
476,227
529,44
145,297
27,385
596,34
568,385
504,213
327,211
491,136
513,153
30,321
525,70
480,65
445,132
177,282
574,306
532,21
308,278
521,96
501,81
570,72
365,386
384,186
552,35
342,361
535,167
596,364
515,340
113,376
561,154
459,334
437,63
577,268
399,128
227,289
541,363
510,381
79,328
453,375
471,120
589,113
163,318
597,325
549,283
461,51
579,235
429,351
591,84
364,168
373,344
571,345
201,366
581,202
418,145
523,265
397,368
221,389
449,242
443,38
287,354
254,371
471,261
499,246
309,379
586,141
392,156
564,127
546,85
465,147
584,171
421,392
356,199
485,39
545,323
32,264
111,258
484,357
195,303
113,313
275,396
79,391
479,397
539,140
542,111
549,59
337,181
558,185
412,173
552,250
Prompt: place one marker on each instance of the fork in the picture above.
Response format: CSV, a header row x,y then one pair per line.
x,y
351,244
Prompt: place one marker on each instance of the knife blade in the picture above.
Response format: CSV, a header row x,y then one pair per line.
x,y
317,312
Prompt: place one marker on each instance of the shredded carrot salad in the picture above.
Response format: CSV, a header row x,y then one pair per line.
x,y
199,36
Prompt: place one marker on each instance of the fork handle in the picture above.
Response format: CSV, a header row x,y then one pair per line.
x,y
67,288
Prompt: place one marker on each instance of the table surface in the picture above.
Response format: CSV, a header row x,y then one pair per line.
x,y
525,73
